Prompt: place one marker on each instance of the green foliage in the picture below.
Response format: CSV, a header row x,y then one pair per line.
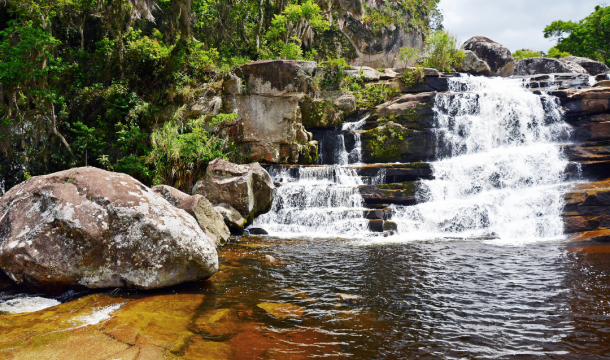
x,y
442,51
526,54
371,95
409,56
554,52
590,37
180,152
413,77
409,14
291,29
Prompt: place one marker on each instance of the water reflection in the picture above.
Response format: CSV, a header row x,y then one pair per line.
x,y
302,298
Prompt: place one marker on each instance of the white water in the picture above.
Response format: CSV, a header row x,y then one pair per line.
x,y
27,304
502,170
500,174
320,201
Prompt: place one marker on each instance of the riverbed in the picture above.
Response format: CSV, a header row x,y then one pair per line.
x,y
303,298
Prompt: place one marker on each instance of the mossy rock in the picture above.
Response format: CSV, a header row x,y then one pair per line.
x,y
395,143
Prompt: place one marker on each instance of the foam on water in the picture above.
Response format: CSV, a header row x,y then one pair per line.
x,y
97,315
27,304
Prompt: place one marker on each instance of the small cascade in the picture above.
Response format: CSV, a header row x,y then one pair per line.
x,y
501,170
322,200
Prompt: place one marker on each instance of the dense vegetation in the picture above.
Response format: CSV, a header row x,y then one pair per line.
x,y
104,82
590,37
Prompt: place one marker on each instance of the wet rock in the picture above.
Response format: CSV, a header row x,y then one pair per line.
x,y
5,281
376,226
257,231
96,229
554,82
574,67
587,207
540,65
378,214
390,226
208,218
592,67
399,194
603,83
232,218
270,259
346,299
411,110
394,142
247,188
498,57
596,131
217,324
473,65
282,310
584,102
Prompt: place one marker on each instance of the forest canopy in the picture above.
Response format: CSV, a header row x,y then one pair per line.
x,y
91,81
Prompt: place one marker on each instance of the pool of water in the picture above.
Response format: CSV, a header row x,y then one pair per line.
x,y
416,300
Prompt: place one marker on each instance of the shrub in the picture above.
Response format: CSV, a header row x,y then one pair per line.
x,y
409,56
554,52
441,51
180,152
526,54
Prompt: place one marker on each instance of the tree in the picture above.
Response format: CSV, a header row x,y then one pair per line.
x,y
590,37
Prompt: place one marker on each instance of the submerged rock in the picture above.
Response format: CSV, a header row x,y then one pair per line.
x,y
97,229
498,57
247,188
282,310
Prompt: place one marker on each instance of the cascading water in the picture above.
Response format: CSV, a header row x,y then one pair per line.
x,y
323,200
501,168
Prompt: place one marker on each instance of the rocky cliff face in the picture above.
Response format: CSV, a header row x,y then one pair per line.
x,y
375,48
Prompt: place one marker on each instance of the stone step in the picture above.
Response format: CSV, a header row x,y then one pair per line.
x,y
394,173
398,194
378,214
380,226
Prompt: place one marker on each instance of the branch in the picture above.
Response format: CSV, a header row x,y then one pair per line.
x,y
54,128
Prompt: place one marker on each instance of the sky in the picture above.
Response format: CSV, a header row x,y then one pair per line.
x,y
516,24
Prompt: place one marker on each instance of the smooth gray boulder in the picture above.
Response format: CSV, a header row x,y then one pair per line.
x,y
201,209
498,57
591,66
473,65
247,188
232,218
208,218
92,228
539,66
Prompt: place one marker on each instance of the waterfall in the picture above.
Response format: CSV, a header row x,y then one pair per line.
x,y
499,173
500,170
322,200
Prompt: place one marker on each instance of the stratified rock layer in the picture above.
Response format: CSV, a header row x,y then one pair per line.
x,y
97,229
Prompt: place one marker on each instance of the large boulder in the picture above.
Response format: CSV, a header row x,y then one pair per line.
x,y
247,188
592,67
96,229
473,65
232,217
498,57
208,218
201,209
540,65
